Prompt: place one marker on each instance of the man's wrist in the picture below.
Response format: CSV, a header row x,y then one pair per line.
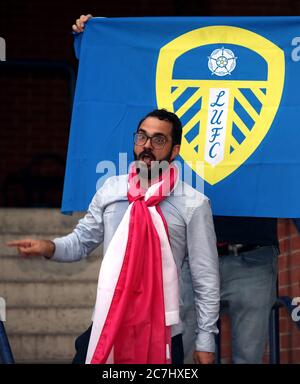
x,y
51,249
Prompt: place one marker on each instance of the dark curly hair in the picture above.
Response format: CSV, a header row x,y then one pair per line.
x,y
163,114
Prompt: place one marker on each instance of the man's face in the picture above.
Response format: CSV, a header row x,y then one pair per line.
x,y
148,152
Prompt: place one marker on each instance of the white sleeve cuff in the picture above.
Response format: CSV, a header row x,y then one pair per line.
x,y
59,254
205,342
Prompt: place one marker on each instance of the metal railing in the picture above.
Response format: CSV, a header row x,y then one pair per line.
x,y
274,327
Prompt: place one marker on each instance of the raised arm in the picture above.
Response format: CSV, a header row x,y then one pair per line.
x,y
78,27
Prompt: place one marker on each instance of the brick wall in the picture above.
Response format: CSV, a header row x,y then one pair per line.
x,y
289,285
33,137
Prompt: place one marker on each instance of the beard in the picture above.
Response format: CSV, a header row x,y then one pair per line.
x,y
148,166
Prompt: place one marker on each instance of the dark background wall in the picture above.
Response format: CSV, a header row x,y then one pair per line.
x,y
35,95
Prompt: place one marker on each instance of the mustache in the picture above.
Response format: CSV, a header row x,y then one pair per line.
x,y
147,153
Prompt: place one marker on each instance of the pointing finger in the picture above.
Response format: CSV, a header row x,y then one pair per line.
x,y
18,243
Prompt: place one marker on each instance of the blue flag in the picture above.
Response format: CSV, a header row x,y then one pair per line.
x,y
234,83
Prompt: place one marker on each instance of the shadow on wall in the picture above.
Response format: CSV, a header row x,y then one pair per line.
x,y
38,185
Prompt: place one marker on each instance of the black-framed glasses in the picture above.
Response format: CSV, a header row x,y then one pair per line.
x,y
158,141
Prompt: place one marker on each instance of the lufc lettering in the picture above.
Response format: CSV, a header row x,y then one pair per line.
x,y
216,125
162,373
216,119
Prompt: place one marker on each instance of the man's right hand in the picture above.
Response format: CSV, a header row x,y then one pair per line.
x,y
78,27
31,247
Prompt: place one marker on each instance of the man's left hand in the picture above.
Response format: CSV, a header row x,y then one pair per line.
x,y
204,357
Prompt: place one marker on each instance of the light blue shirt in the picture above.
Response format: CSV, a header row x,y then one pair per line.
x,y
193,242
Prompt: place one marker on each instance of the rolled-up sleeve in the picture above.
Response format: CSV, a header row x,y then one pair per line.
x,y
204,267
86,236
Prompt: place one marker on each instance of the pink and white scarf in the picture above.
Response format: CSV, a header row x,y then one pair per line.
x,y
137,295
